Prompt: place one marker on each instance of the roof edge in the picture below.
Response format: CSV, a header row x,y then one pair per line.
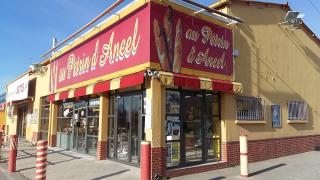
x,y
223,3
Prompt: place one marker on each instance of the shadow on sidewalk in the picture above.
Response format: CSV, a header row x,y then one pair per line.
x,y
48,163
24,154
34,155
109,175
266,169
218,178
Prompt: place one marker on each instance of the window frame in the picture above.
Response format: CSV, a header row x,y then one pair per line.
x,y
295,108
258,114
44,117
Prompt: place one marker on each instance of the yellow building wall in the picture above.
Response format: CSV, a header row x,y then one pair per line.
x,y
41,90
11,122
2,118
276,64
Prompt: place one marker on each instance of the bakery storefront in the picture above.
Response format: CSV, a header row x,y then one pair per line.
x,y
156,74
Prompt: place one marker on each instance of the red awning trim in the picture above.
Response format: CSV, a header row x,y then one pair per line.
x,y
222,85
132,80
8,104
101,87
195,82
104,86
64,95
2,106
51,97
80,91
186,81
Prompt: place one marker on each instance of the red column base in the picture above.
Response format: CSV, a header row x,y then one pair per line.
x,y
53,140
145,162
12,161
102,150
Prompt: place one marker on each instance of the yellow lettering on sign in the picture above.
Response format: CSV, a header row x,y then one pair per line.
x,y
111,52
213,38
204,58
117,51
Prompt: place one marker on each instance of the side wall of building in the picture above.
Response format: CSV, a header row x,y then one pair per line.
x,y
278,65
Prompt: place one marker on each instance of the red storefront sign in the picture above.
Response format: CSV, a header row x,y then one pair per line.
x,y
154,33
182,40
123,45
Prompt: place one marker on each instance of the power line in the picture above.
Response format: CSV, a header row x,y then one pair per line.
x,y
314,7
310,24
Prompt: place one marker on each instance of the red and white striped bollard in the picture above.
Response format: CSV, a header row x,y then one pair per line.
x,y
12,156
244,170
41,164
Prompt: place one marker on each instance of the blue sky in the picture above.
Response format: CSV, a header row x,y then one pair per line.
x,y
27,27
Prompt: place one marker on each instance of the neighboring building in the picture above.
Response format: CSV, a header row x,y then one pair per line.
x,y
164,71
25,107
2,109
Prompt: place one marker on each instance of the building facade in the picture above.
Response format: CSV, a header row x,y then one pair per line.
x,y
25,102
2,109
165,72
154,74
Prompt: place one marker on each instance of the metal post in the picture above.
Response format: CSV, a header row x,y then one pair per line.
x,y
12,154
41,164
145,163
244,170
1,142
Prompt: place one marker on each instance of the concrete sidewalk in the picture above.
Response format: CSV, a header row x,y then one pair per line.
x,y
295,167
64,164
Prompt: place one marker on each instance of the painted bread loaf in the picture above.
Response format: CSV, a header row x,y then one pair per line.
x,y
161,46
168,30
178,48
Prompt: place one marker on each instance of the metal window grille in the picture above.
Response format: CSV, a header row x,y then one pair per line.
x,y
250,108
297,110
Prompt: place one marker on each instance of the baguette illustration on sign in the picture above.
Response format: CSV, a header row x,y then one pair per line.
x,y
161,46
178,48
168,31
169,50
187,44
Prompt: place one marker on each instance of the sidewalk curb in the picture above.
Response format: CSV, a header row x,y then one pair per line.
x,y
9,177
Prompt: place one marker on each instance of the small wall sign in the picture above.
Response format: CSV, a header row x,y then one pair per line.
x,y
276,116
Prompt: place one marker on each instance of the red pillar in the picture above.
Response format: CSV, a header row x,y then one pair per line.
x,y
12,154
41,164
145,162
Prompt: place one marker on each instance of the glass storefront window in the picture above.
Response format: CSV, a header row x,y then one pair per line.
x,y
65,115
111,126
173,129
78,125
44,118
213,129
93,125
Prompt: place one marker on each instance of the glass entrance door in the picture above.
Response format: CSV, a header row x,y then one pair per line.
x,y
80,127
125,143
21,122
192,124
